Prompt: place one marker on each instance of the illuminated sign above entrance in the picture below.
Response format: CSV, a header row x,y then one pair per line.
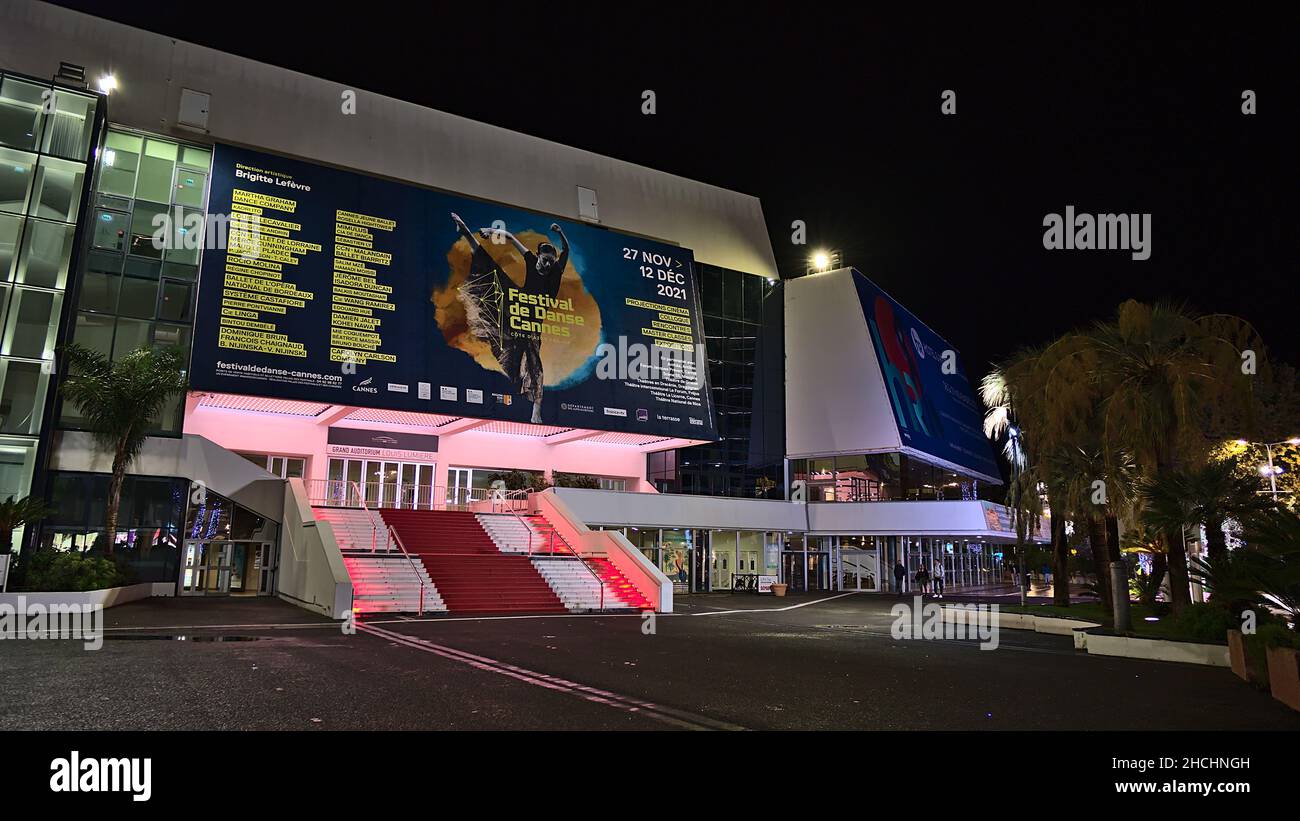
x,y
380,443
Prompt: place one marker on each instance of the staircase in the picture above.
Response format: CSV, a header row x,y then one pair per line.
x,y
615,582
353,528
391,583
578,586
384,580
472,574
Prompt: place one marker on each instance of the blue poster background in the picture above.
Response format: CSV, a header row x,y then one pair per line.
x,y
611,265
936,413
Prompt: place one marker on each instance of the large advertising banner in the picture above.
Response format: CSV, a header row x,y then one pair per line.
x,y
934,407
338,287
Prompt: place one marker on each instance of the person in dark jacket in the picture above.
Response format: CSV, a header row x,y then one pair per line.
x,y
900,574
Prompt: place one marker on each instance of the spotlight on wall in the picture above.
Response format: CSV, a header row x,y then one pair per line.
x,y
107,83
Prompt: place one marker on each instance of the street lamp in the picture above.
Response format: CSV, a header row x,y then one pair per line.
x,y
822,261
1271,470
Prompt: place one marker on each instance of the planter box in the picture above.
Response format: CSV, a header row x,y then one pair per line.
x,y
108,597
1284,675
1213,655
1237,655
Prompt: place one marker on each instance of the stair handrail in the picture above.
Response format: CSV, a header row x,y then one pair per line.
x,y
374,525
600,584
393,537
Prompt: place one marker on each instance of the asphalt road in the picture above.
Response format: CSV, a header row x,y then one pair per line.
x,y
720,662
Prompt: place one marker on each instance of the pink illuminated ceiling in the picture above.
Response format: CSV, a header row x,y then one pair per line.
x,y
441,424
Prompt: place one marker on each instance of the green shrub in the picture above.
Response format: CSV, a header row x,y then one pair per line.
x,y
51,570
1277,634
1205,622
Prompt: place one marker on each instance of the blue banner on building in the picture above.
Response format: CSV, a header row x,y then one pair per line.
x,y
934,407
332,286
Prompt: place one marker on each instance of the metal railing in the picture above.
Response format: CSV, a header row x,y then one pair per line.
x,y
600,584
374,522
393,537
410,496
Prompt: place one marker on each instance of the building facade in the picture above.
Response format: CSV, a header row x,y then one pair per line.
x,y
816,461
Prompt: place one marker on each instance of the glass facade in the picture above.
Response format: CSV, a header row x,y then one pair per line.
x,y
46,138
884,477
699,560
150,518
138,289
743,330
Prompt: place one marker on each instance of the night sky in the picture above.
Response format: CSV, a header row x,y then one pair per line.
x,y
836,120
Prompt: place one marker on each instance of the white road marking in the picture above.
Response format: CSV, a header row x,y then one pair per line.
x,y
667,715
777,609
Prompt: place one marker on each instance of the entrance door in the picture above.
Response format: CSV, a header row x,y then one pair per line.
x,y
458,486
213,567
792,571
722,566
267,560
206,568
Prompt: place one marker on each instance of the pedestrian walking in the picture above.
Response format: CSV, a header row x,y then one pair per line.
x,y
900,575
937,580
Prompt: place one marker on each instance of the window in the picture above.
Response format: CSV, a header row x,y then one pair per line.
x,y
11,228
47,250
154,182
67,131
22,396
57,191
142,290
286,467
120,162
20,113
45,137
17,170
111,228
29,331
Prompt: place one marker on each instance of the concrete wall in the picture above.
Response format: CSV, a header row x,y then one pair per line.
x,y
283,111
926,518
680,510
835,396
189,457
312,574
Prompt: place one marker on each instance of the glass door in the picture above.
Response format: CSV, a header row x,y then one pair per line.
x,y
208,568
458,485
265,566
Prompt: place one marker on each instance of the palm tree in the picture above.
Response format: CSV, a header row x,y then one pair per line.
x,y
1095,490
119,401
1160,371
1143,539
15,513
1273,540
1207,495
1045,392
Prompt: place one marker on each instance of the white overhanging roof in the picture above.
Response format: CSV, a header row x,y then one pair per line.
x,y
323,413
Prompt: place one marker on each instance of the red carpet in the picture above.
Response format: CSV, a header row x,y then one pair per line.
x,y
469,571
